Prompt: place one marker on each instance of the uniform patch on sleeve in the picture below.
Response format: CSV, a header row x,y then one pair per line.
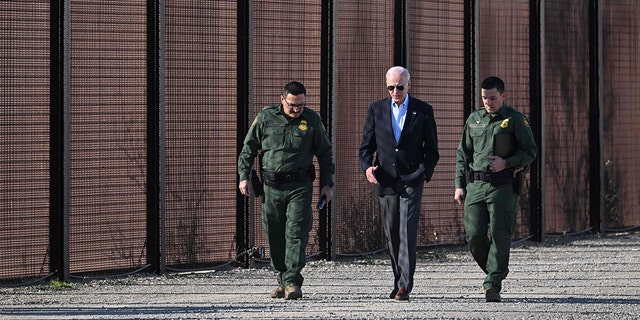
x,y
255,120
526,122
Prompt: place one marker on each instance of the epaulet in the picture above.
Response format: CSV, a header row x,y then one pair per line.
x,y
272,106
513,111
478,110
308,112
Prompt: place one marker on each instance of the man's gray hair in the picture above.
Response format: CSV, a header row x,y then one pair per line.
x,y
399,69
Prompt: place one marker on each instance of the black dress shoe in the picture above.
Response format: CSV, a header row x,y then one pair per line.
x,y
393,294
402,294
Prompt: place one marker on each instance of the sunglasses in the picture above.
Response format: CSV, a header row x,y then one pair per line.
x,y
400,88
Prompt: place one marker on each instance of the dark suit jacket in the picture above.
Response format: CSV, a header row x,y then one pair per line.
x,y
409,161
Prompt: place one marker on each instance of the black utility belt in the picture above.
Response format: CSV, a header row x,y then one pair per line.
x,y
495,178
481,176
277,178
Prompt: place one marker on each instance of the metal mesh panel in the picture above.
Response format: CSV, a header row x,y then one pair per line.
x,y
621,112
107,135
364,52
24,138
286,47
200,131
436,63
108,117
566,187
503,50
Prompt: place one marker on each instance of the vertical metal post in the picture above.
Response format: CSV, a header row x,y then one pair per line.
x,y
325,225
470,22
243,44
155,139
596,168
59,139
400,33
536,75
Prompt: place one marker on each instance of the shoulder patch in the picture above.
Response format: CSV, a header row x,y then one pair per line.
x,y
526,122
255,120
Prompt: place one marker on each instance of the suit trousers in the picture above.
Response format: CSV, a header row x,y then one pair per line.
x,y
401,216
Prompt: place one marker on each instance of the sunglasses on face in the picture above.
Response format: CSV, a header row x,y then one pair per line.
x,y
400,88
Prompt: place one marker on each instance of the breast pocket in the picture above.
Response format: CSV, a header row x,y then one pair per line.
x,y
274,134
302,138
479,137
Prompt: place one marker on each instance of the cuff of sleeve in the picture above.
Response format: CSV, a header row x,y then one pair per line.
x,y
509,163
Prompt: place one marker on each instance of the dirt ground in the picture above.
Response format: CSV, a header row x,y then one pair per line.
x,y
586,277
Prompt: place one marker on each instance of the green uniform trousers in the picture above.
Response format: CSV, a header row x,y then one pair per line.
x,y
493,210
287,220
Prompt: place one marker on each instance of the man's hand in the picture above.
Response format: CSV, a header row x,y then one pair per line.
x,y
497,164
327,192
459,196
244,187
371,176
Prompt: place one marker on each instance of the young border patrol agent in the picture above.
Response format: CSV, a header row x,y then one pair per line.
x,y
288,136
497,143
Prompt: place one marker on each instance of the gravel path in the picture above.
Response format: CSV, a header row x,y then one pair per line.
x,y
588,277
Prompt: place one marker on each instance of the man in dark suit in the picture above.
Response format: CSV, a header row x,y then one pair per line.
x,y
401,131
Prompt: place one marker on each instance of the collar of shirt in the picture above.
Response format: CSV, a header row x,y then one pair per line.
x,y
502,112
404,104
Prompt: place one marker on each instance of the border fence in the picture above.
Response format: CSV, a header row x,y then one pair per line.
x,y
121,121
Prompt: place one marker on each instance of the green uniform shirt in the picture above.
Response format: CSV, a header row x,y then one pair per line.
x,y
287,145
479,131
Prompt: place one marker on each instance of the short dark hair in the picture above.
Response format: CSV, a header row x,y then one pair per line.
x,y
295,88
493,82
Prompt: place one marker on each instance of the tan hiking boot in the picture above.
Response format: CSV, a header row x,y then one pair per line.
x,y
292,291
278,292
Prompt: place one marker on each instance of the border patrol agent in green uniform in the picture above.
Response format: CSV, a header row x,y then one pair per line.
x,y
288,136
497,143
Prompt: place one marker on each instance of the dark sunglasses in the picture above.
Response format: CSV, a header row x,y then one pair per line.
x,y
400,88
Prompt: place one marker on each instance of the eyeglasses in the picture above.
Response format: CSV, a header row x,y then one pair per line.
x,y
400,88
295,105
